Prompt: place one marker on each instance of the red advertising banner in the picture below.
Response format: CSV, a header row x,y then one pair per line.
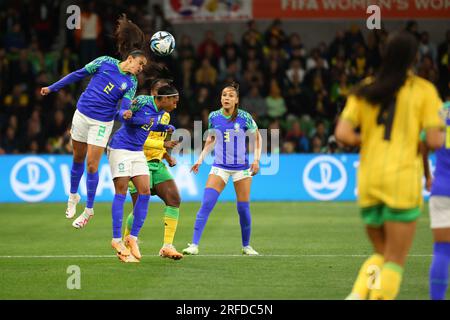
x,y
320,9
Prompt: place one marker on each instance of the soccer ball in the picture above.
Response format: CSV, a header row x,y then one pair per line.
x,y
162,43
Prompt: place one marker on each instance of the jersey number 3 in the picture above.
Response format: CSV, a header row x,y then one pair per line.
x,y
226,136
108,88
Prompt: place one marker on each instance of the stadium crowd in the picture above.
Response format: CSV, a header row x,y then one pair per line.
x,y
283,84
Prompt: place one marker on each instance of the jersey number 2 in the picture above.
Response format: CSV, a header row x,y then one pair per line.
x,y
108,88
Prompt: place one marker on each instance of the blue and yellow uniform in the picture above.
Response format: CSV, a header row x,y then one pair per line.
x,y
441,179
134,132
230,147
154,152
107,86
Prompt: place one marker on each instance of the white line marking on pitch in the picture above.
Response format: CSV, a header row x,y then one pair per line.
x,y
204,255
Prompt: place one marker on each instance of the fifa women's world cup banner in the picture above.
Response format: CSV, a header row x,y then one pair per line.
x,y
344,9
296,177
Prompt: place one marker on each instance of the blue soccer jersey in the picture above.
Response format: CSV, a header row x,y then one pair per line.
x,y
441,180
107,86
133,133
230,150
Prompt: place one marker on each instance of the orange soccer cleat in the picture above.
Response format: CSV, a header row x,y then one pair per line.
x,y
169,251
131,243
120,248
122,252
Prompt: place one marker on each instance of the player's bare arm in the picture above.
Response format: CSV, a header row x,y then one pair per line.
x,y
345,133
209,144
254,167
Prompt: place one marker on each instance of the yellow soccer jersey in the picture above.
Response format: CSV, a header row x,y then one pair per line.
x,y
154,145
390,169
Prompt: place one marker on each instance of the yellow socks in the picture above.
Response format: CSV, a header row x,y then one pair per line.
x,y
391,278
170,223
128,225
367,277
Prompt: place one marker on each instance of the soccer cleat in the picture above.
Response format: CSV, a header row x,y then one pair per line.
x,y
249,251
127,259
169,251
83,219
131,243
192,249
120,248
72,206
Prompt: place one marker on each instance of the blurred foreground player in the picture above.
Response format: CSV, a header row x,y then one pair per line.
x,y
390,110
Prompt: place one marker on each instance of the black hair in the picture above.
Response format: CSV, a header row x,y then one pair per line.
x,y
155,81
167,90
234,85
400,54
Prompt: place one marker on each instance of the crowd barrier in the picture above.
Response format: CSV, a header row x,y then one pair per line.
x,y
298,177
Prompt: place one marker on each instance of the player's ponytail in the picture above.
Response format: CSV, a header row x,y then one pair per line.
x,y
130,39
400,54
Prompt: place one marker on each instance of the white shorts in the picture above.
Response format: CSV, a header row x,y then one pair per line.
x,y
125,163
439,212
235,174
90,131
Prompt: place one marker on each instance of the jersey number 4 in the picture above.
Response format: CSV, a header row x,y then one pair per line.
x,y
108,88
386,118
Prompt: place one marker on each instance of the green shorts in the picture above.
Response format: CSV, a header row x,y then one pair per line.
x,y
377,215
158,173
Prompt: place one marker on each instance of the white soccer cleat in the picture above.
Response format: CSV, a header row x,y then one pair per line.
x,y
83,219
192,249
72,205
249,251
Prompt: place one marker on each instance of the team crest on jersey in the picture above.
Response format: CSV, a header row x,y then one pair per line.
x,y
123,86
236,127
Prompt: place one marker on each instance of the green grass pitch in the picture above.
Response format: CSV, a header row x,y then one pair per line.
x,y
308,251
